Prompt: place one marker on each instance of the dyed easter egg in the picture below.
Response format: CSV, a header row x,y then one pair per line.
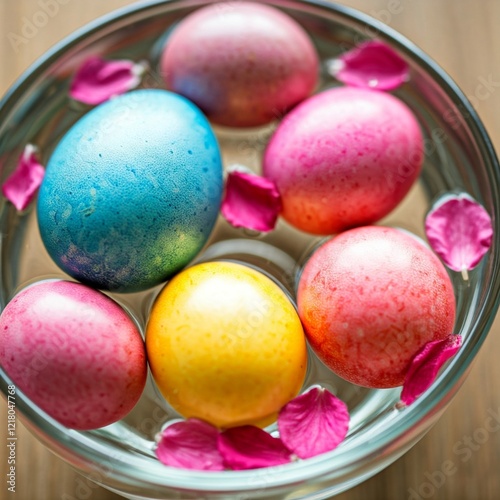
x,y
370,299
244,64
131,192
74,352
345,157
225,345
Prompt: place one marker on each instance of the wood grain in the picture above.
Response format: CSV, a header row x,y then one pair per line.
x,y
463,37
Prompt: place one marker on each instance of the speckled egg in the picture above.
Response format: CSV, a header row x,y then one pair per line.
x,y
370,299
244,64
131,192
74,352
226,345
346,157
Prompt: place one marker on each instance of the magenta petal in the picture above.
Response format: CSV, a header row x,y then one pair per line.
x,y
459,230
20,187
372,64
425,366
97,80
190,444
249,447
251,201
314,422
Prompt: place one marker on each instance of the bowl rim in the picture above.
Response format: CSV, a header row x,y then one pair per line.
x,y
345,459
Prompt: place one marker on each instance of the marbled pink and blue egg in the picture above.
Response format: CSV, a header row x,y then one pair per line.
x,y
244,64
132,191
74,352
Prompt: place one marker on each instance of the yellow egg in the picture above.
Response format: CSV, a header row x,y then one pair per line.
x,y
226,345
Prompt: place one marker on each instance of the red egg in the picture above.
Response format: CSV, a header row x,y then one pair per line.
x,y
370,299
244,64
344,158
74,352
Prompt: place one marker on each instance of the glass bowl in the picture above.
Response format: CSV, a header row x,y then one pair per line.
x,y
458,157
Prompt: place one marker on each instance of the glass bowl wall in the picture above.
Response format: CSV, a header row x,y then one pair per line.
x,y
458,157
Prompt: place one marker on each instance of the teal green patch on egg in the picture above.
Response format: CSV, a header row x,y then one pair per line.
x,y
132,191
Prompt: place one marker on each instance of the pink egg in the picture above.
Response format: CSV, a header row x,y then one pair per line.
x,y
244,64
74,352
343,158
370,299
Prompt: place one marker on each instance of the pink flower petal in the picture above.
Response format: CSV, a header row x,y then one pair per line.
x,y
21,186
249,447
372,64
314,422
190,444
425,366
459,230
97,80
251,201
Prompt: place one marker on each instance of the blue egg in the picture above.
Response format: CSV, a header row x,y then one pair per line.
x,y
132,191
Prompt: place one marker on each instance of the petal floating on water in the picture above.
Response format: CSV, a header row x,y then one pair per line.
x,y
251,201
426,365
190,444
372,64
314,422
460,231
21,186
250,447
97,80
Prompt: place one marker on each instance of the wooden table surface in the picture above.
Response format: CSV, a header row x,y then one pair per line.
x,y
463,36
